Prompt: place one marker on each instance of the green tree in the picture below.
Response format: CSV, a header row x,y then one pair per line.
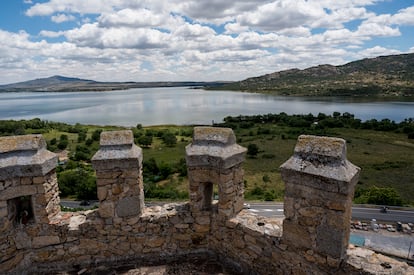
x,y
169,139
145,141
77,182
63,143
81,136
379,196
252,150
96,134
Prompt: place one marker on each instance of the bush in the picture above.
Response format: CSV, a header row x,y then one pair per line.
x,y
252,150
63,143
77,182
378,195
169,139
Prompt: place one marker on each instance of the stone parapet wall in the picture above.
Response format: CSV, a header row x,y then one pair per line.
x,y
319,187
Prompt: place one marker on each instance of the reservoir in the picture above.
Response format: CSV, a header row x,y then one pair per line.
x,y
181,106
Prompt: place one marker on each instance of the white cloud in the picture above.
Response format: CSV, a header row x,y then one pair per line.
x,y
90,35
51,34
60,18
196,39
404,17
281,15
376,51
140,18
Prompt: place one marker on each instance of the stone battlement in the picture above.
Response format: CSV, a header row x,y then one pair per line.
x,y
36,237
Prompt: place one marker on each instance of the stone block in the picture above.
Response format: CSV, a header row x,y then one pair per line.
x,y
106,209
320,162
25,156
102,193
201,228
42,241
215,148
116,189
329,241
117,150
296,235
22,240
128,206
26,181
18,191
203,219
155,241
11,263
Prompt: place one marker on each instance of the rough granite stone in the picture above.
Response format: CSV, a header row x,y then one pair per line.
x,y
214,147
324,160
25,156
128,206
117,150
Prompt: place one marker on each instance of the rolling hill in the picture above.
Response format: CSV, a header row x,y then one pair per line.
x,y
381,76
59,83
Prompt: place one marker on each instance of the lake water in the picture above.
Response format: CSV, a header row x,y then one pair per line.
x,y
181,106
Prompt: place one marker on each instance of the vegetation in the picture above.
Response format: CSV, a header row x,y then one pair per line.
x,y
384,76
383,149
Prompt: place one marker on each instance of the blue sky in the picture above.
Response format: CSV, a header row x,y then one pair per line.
x,y
203,40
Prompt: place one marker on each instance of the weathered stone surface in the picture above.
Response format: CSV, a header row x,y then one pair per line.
x,y
42,241
214,147
18,191
319,186
128,206
22,143
106,209
23,240
324,160
25,156
75,221
314,234
117,151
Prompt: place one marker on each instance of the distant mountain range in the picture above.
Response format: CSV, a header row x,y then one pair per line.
x,y
389,76
59,83
381,76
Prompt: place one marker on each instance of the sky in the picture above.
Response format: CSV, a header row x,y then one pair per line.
x,y
189,40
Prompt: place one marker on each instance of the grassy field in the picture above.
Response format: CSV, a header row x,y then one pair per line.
x,y
386,157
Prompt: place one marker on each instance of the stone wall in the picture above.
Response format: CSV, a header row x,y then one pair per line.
x,y
36,237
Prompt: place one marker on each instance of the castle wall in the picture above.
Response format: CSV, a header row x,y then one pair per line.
x,y
311,240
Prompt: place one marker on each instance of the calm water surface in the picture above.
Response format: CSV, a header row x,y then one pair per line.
x,y
156,106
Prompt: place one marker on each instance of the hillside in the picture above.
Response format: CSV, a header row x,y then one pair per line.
x,y
381,76
69,84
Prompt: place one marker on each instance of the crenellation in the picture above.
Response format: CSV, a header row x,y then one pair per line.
x,y
312,239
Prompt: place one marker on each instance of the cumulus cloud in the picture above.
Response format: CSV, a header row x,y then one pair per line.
x,y
60,18
376,51
196,39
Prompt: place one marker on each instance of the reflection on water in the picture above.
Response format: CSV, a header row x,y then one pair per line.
x,y
155,106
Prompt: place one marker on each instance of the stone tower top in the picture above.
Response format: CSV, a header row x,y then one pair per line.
x,y
321,149
215,148
116,148
322,157
117,138
22,143
25,156
213,136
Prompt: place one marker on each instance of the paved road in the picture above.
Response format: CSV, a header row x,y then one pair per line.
x,y
276,210
358,213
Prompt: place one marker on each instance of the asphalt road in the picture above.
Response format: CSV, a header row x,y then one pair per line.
x,y
358,213
276,210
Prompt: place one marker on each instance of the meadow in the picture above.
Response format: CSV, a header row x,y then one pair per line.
x,y
383,149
